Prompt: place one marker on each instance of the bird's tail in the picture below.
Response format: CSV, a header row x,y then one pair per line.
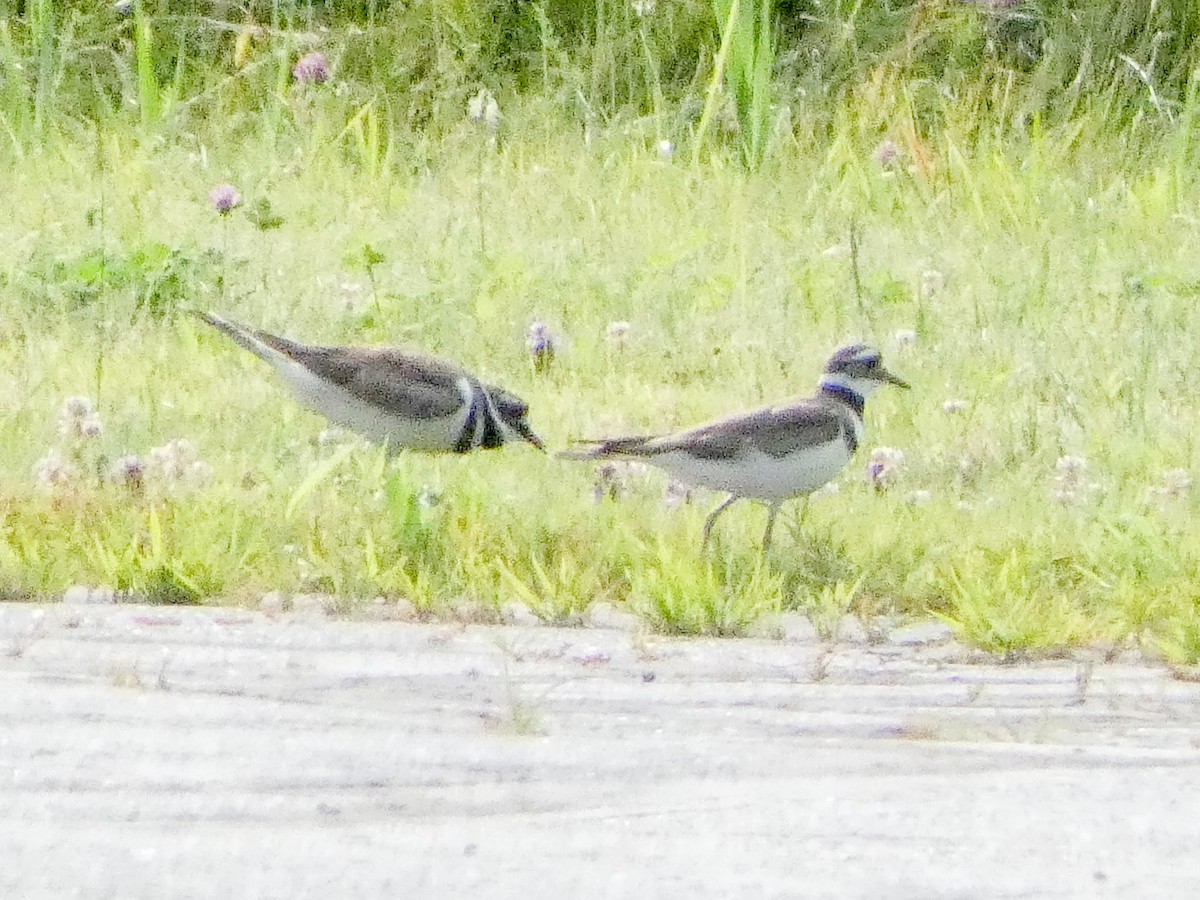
x,y
599,448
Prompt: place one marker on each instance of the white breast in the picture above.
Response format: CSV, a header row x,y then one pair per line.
x,y
758,474
376,424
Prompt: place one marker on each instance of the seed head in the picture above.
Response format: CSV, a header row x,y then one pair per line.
x,y
224,198
311,68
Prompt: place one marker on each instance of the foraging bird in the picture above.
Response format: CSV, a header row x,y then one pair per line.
x,y
402,399
770,454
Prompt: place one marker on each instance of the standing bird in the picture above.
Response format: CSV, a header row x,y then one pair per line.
x,y
404,400
770,454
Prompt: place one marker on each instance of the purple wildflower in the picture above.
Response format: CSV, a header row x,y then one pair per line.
x,y
311,68
887,154
224,197
542,344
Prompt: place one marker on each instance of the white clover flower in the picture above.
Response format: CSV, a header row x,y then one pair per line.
x,y
78,420
918,497
617,334
905,337
883,469
932,283
129,470
177,463
644,8
614,478
483,109
1176,483
665,150
77,407
954,407
676,494
887,155
90,427
53,471
1071,484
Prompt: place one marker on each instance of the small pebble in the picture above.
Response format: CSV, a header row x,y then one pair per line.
x,y
515,613
603,614
272,604
315,605
798,628
850,631
921,633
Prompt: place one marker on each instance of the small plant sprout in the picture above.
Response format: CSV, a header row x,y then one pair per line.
x,y
906,337
954,407
262,216
1071,484
542,344
617,334
311,68
224,198
883,468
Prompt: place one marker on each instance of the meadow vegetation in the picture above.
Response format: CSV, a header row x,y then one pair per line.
x,y
699,202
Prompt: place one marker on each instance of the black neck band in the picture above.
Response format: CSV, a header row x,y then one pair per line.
x,y
849,396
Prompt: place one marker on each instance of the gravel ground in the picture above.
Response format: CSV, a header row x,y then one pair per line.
x,y
150,752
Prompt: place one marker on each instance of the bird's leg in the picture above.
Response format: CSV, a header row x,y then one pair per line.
x,y
712,517
772,512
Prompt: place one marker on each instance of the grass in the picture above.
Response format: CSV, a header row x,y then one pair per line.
x,y
1046,273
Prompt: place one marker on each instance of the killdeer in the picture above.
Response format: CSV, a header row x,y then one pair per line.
x,y
770,454
402,399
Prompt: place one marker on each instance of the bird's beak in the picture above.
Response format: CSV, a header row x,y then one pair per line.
x,y
527,433
892,379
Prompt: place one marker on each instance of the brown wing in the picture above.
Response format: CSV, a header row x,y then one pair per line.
x,y
776,431
405,384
